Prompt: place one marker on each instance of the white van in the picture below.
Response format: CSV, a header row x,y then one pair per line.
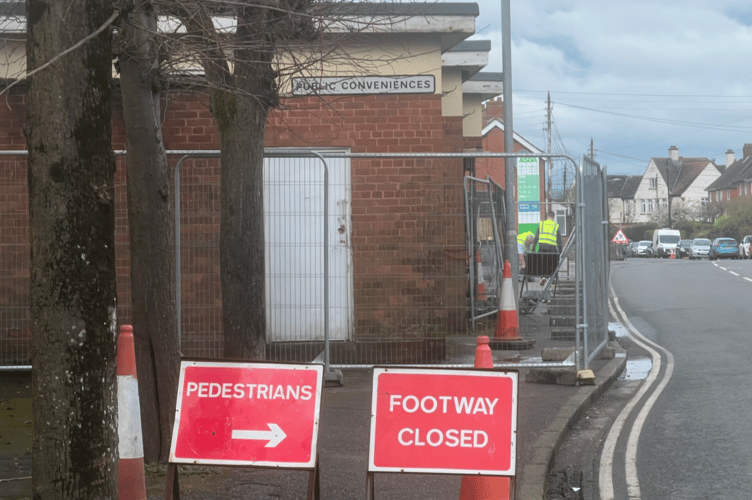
x,y
665,241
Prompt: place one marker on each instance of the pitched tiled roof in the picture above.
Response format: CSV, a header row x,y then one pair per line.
x,y
623,186
737,172
680,174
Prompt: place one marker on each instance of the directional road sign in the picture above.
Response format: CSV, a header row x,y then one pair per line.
x,y
259,414
443,421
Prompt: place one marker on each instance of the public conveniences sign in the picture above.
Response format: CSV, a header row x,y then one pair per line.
x,y
443,421
259,414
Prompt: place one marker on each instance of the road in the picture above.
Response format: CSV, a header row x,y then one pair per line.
x,y
683,431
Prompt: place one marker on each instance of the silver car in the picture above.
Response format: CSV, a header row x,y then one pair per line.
x,y
700,248
744,247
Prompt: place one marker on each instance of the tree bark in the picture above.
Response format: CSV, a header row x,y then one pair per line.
x,y
242,94
241,241
71,170
152,246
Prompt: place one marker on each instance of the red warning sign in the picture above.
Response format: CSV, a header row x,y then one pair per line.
x,y
619,237
443,421
259,414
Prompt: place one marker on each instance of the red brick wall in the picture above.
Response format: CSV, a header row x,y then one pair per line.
x,y
408,215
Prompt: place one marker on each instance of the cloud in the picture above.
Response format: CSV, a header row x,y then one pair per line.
x,y
636,76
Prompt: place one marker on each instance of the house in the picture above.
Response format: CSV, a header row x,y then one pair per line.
x,y
397,238
621,198
682,179
736,180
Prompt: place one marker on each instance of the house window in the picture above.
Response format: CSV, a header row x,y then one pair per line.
x,y
644,207
650,205
703,203
664,203
653,182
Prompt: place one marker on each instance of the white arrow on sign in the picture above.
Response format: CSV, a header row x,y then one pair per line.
x,y
275,435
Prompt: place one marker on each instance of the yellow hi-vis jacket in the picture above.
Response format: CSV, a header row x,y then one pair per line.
x,y
522,237
547,231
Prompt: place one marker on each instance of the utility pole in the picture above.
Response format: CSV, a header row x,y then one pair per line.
x,y
592,151
668,195
657,196
549,163
510,242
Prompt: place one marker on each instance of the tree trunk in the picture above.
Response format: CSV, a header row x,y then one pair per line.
x,y
152,246
242,122
71,170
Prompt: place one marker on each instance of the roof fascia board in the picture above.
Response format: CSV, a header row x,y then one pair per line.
x,y
464,59
488,90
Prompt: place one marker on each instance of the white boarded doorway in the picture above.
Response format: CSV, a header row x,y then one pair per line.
x,y
294,259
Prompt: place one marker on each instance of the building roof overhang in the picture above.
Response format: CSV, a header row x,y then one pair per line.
x,y
487,85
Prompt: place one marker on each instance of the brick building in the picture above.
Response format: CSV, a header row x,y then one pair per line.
x,y
397,238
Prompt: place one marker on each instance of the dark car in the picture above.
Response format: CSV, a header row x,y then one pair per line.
x,y
632,249
682,248
724,248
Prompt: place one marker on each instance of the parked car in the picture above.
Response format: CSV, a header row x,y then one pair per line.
x,y
724,248
644,248
699,249
682,248
633,249
744,247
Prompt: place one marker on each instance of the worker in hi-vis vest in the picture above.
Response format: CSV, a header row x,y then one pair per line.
x,y
548,236
525,246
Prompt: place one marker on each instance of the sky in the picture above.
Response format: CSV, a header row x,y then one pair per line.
x,y
635,77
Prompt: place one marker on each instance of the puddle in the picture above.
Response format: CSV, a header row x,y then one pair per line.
x,y
618,329
637,369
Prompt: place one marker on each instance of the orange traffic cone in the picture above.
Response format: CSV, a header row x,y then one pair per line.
x,y
131,476
481,282
507,325
673,256
484,487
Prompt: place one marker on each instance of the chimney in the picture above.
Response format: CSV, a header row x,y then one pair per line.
x,y
747,151
730,158
493,109
673,153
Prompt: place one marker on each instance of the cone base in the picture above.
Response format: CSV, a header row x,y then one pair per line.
x,y
132,479
519,344
484,488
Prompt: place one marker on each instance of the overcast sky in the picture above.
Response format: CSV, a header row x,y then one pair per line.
x,y
635,76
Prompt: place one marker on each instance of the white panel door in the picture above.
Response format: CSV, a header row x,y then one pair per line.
x,y
294,259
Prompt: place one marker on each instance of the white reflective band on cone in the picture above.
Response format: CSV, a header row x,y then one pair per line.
x,y
129,418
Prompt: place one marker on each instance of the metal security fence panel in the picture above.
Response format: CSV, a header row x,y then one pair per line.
x,y
484,228
15,320
370,259
593,271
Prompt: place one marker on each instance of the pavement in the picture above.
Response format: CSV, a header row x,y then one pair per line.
x,y
546,411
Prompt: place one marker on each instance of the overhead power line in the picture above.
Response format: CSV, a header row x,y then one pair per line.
x,y
637,95
728,128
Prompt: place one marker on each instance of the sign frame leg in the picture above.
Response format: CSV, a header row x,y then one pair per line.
x,y
369,486
172,484
314,482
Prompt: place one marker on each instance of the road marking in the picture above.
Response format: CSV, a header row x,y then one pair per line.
x,y
748,279
732,272
605,478
723,268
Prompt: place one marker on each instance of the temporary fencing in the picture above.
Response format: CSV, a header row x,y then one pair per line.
x,y
373,256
